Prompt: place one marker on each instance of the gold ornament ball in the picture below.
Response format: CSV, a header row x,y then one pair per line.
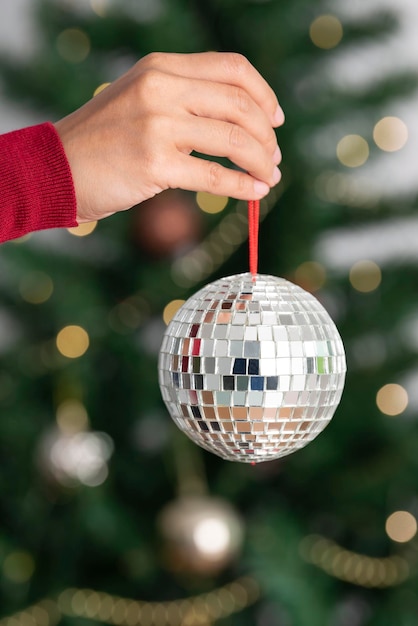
x,y
202,535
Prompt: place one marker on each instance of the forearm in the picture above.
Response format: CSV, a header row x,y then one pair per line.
x,y
36,186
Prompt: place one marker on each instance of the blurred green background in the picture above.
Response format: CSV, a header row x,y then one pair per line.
x,y
93,474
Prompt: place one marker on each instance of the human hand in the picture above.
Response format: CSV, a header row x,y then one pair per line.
x,y
135,138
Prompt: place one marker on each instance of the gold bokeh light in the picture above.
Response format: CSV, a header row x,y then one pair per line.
x,y
390,134
99,7
72,341
18,567
392,399
100,88
73,45
352,150
72,417
311,275
401,526
326,31
209,203
36,287
365,276
171,309
82,230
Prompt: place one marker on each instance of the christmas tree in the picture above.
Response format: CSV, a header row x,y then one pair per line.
x,y
108,514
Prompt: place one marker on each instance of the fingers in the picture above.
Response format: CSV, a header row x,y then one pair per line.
x,y
218,138
231,104
230,68
195,174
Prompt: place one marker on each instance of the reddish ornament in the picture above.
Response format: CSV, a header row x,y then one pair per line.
x,y
168,224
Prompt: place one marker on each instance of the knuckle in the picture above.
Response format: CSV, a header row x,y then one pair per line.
x,y
242,183
214,176
237,63
154,59
149,81
241,101
236,137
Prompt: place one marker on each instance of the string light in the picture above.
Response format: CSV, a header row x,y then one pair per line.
x,y
209,203
365,276
352,151
353,567
82,230
392,399
401,526
326,31
43,613
89,604
72,341
390,134
73,45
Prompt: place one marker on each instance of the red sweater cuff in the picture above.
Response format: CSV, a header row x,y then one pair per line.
x,y
36,185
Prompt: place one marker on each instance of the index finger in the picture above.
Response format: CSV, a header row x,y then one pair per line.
x,y
224,67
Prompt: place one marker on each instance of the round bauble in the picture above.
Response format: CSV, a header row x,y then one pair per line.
x,y
168,224
201,534
252,368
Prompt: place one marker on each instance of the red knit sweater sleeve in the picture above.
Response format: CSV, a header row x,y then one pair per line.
x,y
36,185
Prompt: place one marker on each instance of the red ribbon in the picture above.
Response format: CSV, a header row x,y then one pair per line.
x,y
253,222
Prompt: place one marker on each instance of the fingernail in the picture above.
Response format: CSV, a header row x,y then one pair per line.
x,y
277,156
278,117
260,188
276,175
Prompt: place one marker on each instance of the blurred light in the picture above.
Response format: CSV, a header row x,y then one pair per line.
x,y
92,605
99,7
40,615
365,276
82,457
36,287
73,45
72,417
72,341
18,567
390,134
212,537
22,239
82,230
144,10
310,275
352,151
344,189
401,526
353,567
210,203
129,313
100,88
171,309
326,31
392,399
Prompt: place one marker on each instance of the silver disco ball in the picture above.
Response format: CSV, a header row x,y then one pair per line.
x,y
251,369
